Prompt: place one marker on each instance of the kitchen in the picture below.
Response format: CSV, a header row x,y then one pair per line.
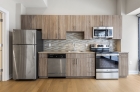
x,y
73,36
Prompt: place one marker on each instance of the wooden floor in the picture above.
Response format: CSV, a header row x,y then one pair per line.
x,y
129,84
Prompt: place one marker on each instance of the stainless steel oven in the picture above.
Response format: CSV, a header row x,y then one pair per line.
x,y
107,65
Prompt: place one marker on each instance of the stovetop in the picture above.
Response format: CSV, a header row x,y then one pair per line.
x,y
107,52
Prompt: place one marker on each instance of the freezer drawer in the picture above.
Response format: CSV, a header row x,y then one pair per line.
x,y
24,62
24,36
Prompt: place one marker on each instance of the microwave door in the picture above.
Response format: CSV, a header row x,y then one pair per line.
x,y
99,33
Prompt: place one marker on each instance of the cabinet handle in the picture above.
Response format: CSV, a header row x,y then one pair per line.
x,y
76,61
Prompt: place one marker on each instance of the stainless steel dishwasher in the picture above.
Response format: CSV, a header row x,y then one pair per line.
x,y
56,65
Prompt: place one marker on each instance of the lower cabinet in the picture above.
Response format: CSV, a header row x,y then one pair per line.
x,y
123,64
42,65
80,66
87,67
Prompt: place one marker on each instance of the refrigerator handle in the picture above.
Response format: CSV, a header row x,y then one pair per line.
x,y
34,43
34,38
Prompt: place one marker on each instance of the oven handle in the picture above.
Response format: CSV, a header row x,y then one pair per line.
x,y
107,54
106,71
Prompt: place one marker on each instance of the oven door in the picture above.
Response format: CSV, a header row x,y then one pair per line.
x,y
107,61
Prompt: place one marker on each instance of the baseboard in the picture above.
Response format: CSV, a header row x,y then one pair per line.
x,y
133,72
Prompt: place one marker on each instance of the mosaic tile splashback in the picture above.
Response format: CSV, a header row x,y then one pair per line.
x,y
80,43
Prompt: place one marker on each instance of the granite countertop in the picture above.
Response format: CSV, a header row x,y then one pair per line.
x,y
66,52
73,52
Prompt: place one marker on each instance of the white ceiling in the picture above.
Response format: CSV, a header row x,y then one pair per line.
x,y
135,12
33,3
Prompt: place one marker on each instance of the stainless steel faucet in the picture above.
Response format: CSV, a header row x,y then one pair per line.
x,y
74,49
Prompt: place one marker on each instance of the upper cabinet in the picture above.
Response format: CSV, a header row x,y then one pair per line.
x,y
31,21
117,26
107,20
53,32
45,26
89,27
75,23
56,26
61,27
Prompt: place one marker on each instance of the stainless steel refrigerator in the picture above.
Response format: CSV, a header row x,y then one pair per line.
x,y
26,45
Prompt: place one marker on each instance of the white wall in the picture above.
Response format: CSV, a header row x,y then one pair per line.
x,y
77,7
129,42
20,9
118,7
121,7
10,6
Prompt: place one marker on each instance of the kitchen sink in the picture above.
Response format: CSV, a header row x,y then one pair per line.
x,y
75,51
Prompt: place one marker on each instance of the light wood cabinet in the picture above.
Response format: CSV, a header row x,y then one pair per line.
x,y
61,27
98,21
45,26
53,32
56,26
123,64
80,64
117,26
31,21
26,22
73,67
42,65
75,23
88,34
87,66
107,20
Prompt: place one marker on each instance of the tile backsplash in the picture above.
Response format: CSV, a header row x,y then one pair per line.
x,y
80,43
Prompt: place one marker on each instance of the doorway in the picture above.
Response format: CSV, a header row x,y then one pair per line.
x,y
1,69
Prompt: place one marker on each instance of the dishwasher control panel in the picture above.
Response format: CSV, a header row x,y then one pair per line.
x,y
56,55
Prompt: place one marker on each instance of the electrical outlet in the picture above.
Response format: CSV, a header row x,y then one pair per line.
x,y
50,44
130,62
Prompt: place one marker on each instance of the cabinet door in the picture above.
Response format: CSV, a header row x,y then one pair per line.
x,y
74,19
27,21
117,26
45,26
38,20
98,21
107,20
123,64
53,32
68,23
42,65
73,67
82,22
89,27
31,21
88,67
61,27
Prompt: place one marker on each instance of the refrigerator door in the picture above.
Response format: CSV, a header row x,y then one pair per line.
x,y
24,36
24,62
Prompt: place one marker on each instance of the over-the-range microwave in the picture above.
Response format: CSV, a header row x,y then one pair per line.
x,y
102,32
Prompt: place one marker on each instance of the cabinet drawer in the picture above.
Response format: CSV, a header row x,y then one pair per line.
x,y
91,55
42,55
123,55
71,55
81,55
